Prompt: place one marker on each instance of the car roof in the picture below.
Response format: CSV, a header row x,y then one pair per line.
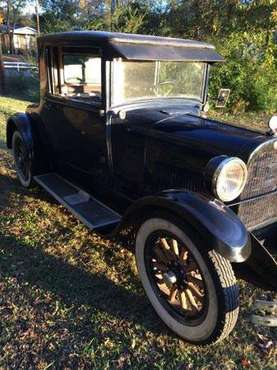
x,y
135,47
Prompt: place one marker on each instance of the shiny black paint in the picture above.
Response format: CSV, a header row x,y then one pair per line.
x,y
78,135
260,268
171,147
22,123
216,223
161,144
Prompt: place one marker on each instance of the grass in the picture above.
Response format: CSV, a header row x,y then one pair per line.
x,y
72,300
20,86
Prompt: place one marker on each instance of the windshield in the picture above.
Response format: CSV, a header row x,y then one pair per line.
x,y
135,80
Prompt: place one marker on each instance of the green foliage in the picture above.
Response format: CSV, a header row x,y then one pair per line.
x,y
250,71
59,15
125,18
242,31
23,86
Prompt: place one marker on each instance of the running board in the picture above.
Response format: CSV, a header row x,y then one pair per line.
x,y
94,214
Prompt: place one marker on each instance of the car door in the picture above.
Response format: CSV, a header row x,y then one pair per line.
x,y
72,110
128,156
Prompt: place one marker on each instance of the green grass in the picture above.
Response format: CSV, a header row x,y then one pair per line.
x,y
70,299
9,106
22,87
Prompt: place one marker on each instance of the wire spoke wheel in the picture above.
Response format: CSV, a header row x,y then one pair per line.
x,y
177,276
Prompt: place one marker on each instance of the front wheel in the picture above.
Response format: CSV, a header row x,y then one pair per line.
x,y
193,290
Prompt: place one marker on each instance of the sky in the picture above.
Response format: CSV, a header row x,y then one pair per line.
x,y
29,8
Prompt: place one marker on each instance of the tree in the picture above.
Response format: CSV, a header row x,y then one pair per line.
x,y
59,15
123,18
13,10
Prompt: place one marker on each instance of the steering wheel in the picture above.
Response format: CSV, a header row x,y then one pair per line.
x,y
167,82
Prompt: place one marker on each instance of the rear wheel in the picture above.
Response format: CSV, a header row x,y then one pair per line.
x,y
193,291
22,160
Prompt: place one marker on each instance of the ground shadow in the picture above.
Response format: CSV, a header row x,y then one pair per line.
x,y
76,286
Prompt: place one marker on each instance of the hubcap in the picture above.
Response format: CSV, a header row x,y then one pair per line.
x,y
169,278
177,276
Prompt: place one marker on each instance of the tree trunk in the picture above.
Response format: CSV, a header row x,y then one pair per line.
x,y
9,25
37,17
2,74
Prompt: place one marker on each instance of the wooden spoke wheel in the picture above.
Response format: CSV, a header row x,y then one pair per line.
x,y
193,289
177,276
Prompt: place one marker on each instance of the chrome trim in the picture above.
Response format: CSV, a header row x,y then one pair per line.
x,y
257,197
217,172
267,223
234,254
259,147
155,103
109,118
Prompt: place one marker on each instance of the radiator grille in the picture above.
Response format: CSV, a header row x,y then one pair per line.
x,y
258,211
262,175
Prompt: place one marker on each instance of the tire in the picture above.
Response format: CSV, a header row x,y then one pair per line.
x,y
212,314
23,163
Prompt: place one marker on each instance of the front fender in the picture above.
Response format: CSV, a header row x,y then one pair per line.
x,y
22,123
215,222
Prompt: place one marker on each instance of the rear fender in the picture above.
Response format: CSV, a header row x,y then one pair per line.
x,y
22,123
35,138
216,223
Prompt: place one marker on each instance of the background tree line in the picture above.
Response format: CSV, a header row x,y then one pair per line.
x,y
243,31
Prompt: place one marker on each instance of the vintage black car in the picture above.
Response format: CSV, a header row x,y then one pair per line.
x,y
120,138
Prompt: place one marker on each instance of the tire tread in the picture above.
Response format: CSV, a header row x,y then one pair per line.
x,y
229,301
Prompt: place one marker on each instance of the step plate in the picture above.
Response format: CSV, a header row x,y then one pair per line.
x,y
86,208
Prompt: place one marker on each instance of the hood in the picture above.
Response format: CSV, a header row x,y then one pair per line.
x,y
210,137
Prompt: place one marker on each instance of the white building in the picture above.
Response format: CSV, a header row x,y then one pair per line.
x,y
24,39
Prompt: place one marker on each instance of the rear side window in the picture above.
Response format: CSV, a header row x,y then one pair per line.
x,y
75,73
81,76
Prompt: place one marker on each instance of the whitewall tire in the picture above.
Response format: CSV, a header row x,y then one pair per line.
x,y
203,308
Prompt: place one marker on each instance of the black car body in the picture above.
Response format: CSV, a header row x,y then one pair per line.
x,y
148,154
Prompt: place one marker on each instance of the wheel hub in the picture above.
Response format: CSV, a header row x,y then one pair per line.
x,y
169,278
178,277
179,272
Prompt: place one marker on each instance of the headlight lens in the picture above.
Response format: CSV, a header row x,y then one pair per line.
x,y
229,179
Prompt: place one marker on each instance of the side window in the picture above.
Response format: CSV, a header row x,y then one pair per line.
x,y
81,76
52,65
48,63
74,73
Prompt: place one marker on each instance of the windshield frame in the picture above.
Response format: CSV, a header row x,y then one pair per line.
x,y
201,101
